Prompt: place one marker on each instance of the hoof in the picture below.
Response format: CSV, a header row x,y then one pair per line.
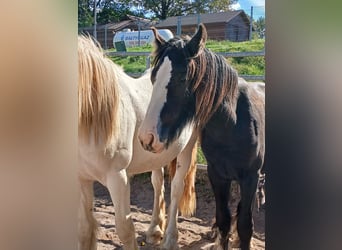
x,y
209,246
169,244
154,236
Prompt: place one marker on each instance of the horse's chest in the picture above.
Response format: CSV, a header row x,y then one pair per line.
x,y
228,145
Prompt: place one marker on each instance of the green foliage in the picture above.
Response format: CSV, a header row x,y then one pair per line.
x,y
131,64
250,69
259,27
228,46
244,65
107,11
163,9
112,11
214,6
85,16
200,157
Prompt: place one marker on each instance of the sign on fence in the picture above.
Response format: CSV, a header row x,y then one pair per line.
x,y
120,46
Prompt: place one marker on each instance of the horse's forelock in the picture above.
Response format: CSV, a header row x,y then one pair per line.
x,y
159,50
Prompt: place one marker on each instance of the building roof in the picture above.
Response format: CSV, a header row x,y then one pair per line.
x,y
204,18
126,21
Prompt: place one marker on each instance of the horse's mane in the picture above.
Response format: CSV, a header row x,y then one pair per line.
x,y
98,96
212,80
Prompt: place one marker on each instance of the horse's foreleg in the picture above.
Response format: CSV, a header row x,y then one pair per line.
x,y
157,226
177,188
119,188
248,186
86,222
221,189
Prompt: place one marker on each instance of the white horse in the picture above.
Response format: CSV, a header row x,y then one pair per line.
x,y
112,106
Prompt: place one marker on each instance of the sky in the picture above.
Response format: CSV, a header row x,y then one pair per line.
x,y
258,7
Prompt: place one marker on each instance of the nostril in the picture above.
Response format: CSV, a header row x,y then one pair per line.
x,y
141,141
147,141
151,139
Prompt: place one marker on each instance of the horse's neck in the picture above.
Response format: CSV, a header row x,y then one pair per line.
x,y
135,93
226,110
134,97
228,116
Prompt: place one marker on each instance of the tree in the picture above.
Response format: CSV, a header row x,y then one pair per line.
x,y
112,11
85,16
259,26
107,11
214,6
166,8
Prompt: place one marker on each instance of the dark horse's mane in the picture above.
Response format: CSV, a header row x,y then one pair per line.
x,y
213,81
210,78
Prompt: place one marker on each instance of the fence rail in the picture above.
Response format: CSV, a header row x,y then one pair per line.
x,y
224,54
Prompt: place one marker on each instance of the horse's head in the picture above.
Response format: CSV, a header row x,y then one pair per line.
x,y
172,107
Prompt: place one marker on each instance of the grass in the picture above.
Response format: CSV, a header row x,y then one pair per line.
x,y
244,65
228,46
200,157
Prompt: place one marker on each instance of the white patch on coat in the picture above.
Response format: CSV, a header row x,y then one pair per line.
x,y
158,100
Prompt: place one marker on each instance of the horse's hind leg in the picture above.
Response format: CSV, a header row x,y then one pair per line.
x,y
156,230
87,224
248,186
119,189
221,190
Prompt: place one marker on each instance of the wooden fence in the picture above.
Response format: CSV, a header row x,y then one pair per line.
x,y
224,54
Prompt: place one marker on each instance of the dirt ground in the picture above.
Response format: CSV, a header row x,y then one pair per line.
x,y
194,232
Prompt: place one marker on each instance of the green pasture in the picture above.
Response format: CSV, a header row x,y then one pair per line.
x,y
244,65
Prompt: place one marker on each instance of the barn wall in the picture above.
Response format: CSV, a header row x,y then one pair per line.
x,y
237,30
110,34
101,36
215,31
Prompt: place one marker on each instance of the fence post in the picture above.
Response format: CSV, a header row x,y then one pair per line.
x,y
148,62
179,26
106,46
251,25
95,32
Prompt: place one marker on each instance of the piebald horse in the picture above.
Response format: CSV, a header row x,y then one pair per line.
x,y
194,87
112,106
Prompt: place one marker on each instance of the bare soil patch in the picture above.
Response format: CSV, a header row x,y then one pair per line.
x,y
194,232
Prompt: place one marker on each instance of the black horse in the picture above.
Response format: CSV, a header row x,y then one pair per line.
x,y
196,89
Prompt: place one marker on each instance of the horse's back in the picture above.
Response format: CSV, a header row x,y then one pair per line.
x,y
251,113
241,141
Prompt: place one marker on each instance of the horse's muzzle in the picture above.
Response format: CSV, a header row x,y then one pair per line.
x,y
150,143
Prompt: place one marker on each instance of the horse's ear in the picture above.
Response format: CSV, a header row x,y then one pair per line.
x,y
197,42
159,41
